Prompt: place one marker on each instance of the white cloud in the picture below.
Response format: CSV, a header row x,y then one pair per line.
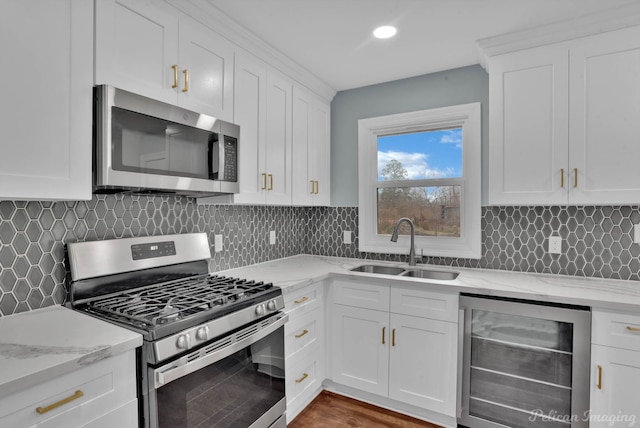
x,y
416,164
453,136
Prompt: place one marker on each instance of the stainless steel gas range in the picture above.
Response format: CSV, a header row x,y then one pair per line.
x,y
213,352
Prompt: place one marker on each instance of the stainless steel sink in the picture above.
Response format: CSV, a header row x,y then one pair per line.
x,y
431,274
384,270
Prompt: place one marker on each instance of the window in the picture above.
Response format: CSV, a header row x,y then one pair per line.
x,y
425,166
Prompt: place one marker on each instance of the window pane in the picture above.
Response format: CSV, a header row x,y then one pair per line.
x,y
435,211
420,155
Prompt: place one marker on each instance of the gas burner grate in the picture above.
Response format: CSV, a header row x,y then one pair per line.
x,y
166,302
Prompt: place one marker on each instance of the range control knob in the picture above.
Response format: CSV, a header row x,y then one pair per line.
x,y
202,333
260,310
271,305
184,341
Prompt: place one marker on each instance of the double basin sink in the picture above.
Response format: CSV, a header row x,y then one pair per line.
x,y
414,273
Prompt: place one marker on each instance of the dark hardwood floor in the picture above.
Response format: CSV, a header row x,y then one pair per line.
x,y
335,411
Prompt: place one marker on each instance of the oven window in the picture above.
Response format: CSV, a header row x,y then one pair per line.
x,y
231,393
149,145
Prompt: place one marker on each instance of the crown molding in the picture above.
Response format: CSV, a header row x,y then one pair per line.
x,y
212,17
560,31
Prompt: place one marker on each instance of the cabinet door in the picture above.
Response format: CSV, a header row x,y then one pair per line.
x,y
360,348
320,151
302,175
278,140
136,46
45,109
618,398
529,127
208,60
422,364
250,113
605,118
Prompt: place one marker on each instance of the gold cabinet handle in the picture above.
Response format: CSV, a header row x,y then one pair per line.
x,y
312,186
575,177
633,329
175,76
599,377
317,187
264,181
186,81
298,336
393,337
62,402
270,181
304,376
383,329
562,178
304,299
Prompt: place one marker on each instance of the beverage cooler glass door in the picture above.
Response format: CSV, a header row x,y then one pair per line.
x,y
524,365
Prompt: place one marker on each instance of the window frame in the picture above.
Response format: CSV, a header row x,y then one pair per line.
x,y
466,116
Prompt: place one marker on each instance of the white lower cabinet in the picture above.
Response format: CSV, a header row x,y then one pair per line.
x,y
304,347
406,353
615,369
100,395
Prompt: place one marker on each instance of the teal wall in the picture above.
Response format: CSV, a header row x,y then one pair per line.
x,y
446,88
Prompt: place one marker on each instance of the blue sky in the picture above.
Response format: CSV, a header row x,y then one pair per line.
x,y
430,154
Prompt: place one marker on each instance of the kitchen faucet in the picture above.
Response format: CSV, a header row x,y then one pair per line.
x,y
412,249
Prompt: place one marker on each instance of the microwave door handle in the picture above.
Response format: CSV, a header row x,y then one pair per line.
x,y
214,158
172,371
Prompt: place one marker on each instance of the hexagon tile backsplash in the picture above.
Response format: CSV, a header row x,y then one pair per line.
x,y
597,241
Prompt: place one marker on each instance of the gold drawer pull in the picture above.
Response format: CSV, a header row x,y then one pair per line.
x,y
575,177
383,328
393,337
562,178
599,377
633,329
304,299
298,336
62,402
264,181
304,376
270,182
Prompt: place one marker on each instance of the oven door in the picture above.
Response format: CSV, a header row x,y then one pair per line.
x,y
234,381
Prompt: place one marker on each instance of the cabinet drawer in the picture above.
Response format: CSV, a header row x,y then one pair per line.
x,y
303,333
302,378
105,386
424,303
617,329
302,301
367,295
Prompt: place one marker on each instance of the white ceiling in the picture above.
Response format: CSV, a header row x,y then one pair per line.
x,y
332,38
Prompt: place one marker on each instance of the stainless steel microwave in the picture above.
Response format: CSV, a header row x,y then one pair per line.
x,y
146,146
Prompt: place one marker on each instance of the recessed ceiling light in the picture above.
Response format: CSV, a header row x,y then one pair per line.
x,y
385,32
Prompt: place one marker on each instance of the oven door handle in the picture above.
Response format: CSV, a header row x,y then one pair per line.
x,y
182,367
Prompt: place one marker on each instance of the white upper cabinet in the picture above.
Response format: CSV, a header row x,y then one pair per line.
x,y
158,53
528,103
262,104
605,118
564,121
45,109
311,149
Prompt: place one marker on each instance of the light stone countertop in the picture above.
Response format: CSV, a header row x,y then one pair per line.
x,y
295,272
46,343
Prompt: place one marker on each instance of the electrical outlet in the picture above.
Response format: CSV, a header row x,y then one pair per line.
x,y
636,233
347,237
272,237
555,245
217,243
